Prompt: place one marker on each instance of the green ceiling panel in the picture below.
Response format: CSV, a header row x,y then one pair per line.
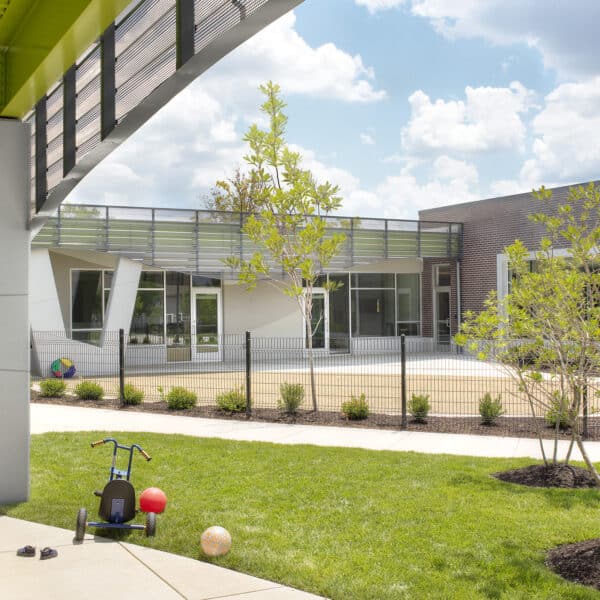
x,y
41,39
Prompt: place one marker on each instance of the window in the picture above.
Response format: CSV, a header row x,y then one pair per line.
x,y
373,304
409,304
178,312
148,320
443,276
89,298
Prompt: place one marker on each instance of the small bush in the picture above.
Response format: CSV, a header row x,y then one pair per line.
x,y
292,396
557,412
490,409
180,399
419,407
132,396
52,388
232,401
88,390
356,409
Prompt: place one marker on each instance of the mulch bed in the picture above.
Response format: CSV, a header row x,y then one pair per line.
x,y
504,426
579,563
551,476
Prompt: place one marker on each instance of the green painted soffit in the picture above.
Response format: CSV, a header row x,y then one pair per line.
x,y
40,40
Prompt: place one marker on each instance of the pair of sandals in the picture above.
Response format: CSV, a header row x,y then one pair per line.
x,y
45,553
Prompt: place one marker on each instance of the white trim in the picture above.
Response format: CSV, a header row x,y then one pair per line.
x,y
206,356
318,291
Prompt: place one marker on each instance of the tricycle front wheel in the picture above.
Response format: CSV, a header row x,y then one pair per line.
x,y
81,525
150,524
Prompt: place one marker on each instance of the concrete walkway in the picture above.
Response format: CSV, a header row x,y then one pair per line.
x,y
48,417
101,569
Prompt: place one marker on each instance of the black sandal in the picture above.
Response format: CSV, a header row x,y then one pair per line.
x,y
26,551
48,553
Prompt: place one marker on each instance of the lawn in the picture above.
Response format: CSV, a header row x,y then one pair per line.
x,y
343,523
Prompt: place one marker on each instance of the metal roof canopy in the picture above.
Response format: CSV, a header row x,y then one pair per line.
x,y
97,70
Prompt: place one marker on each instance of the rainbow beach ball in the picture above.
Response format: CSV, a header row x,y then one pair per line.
x,y
215,541
63,367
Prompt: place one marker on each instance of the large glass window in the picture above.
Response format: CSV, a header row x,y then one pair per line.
x,y
148,321
408,286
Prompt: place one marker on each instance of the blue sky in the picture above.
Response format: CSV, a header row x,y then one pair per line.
x,y
406,104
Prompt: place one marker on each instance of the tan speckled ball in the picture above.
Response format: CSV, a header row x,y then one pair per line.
x,y
215,541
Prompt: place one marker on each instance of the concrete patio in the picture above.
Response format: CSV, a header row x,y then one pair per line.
x,y
100,568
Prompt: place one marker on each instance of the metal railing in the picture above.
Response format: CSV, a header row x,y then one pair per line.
x,y
198,240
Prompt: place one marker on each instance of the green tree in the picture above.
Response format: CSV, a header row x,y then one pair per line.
x,y
236,194
288,226
546,331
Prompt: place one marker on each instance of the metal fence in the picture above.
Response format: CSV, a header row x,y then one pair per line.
x,y
390,372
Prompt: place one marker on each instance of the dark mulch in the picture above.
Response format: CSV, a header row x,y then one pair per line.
x,y
552,476
579,563
504,426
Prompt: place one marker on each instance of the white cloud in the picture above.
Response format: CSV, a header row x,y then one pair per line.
x,y
567,135
375,5
367,139
488,119
449,182
564,32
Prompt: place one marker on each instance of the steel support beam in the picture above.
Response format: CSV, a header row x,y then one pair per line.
x,y
185,31
41,147
69,120
108,88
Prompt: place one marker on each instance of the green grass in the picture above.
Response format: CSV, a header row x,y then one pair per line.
x,y
343,523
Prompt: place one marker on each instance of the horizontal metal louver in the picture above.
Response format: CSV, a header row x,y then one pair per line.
x,y
189,240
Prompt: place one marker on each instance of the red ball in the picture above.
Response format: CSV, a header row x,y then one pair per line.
x,y
153,500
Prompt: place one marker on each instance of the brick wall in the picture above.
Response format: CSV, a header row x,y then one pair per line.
x,y
489,226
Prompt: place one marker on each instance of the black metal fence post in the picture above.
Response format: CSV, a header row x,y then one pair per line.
x,y
403,378
248,374
121,367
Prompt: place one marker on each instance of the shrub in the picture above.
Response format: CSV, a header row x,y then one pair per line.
x,y
52,388
232,401
292,395
180,399
557,412
132,396
418,406
88,390
356,409
490,409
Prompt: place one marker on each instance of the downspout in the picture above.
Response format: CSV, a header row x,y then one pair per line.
x,y
458,306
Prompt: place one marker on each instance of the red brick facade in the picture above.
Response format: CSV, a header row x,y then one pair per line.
x,y
489,226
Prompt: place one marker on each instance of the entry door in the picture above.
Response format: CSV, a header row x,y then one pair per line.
x,y
320,319
442,319
206,324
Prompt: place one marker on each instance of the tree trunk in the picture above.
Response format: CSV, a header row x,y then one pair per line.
x,y
588,462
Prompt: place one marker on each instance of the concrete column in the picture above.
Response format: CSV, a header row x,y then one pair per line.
x,y
121,301
14,320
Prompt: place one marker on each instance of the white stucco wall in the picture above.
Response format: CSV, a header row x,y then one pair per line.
x,y
14,309
264,311
121,301
44,307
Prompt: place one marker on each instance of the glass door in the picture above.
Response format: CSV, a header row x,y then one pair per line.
x,y
319,320
206,324
442,309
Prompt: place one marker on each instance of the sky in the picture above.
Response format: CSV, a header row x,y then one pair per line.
x,y
405,104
